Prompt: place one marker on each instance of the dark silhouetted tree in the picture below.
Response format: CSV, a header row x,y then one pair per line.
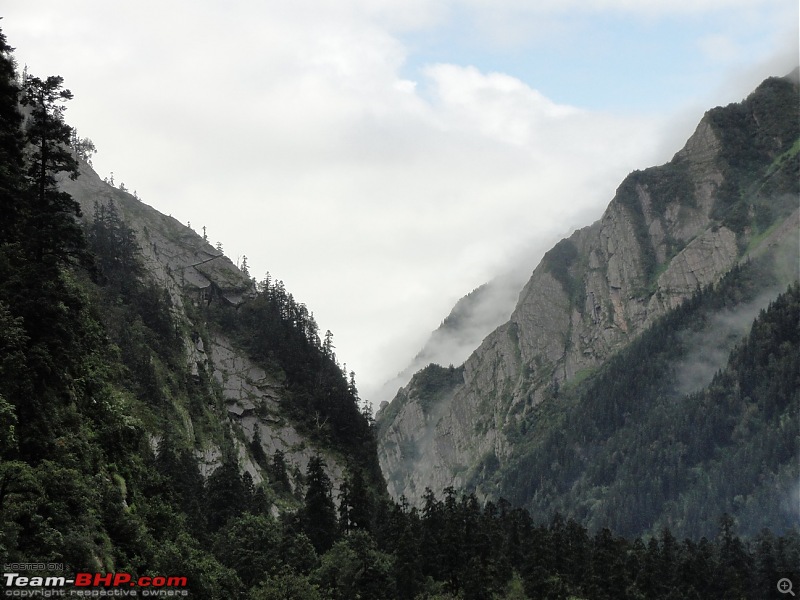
x,y
318,516
53,231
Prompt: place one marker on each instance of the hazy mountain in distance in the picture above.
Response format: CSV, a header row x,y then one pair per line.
x,y
472,318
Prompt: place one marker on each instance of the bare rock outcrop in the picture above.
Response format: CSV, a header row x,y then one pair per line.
x,y
194,272
667,232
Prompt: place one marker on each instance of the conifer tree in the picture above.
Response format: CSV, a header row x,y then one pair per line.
x,y
318,516
10,146
83,148
113,243
226,495
355,506
278,474
52,229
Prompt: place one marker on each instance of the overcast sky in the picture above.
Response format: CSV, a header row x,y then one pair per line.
x,y
385,157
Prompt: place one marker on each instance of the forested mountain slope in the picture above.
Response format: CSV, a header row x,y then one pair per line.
x,y
151,392
250,346
164,415
730,195
626,449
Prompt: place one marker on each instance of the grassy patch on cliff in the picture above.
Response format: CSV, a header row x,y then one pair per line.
x,y
563,262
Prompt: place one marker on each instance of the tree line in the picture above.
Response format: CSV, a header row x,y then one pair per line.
x,y
626,449
96,472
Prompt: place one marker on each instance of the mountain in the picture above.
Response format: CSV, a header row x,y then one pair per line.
x,y
729,197
472,318
168,422
203,285
160,410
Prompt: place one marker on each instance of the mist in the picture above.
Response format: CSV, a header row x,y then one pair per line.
x,y
384,160
711,347
473,317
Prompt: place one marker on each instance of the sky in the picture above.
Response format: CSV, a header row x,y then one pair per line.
x,y
385,157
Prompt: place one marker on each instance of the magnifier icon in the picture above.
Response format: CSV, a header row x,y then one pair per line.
x,y
785,586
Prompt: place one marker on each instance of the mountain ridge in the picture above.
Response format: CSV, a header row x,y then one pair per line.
x,y
195,274
668,231
144,378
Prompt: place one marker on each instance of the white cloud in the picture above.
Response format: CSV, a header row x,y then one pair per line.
x,y
293,133
496,105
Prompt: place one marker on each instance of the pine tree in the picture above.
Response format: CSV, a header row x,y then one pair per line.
x,y
11,182
355,506
318,515
52,229
278,475
226,495
114,244
327,345
83,148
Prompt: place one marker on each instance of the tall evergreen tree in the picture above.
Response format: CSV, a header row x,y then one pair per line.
x,y
318,516
114,245
226,494
10,147
278,474
355,505
52,230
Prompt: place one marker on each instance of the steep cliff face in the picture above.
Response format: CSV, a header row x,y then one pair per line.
x,y
668,231
194,273
472,318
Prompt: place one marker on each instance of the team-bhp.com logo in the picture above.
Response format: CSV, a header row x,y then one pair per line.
x,y
92,585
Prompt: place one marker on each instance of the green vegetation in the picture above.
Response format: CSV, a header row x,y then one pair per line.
x,y
756,240
98,464
757,159
97,467
581,375
784,158
281,334
623,449
562,261
434,382
428,387
453,548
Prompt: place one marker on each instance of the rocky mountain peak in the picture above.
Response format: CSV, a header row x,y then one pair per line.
x,y
668,231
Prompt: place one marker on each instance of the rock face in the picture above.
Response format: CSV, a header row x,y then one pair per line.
x,y
472,318
668,231
194,272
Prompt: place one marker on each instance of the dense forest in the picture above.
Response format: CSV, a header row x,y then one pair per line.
x,y
96,473
627,448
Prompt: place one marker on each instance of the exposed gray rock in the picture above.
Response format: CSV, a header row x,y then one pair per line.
x,y
193,271
654,246
704,259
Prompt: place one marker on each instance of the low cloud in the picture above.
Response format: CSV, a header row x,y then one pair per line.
x,y
297,135
711,347
472,318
